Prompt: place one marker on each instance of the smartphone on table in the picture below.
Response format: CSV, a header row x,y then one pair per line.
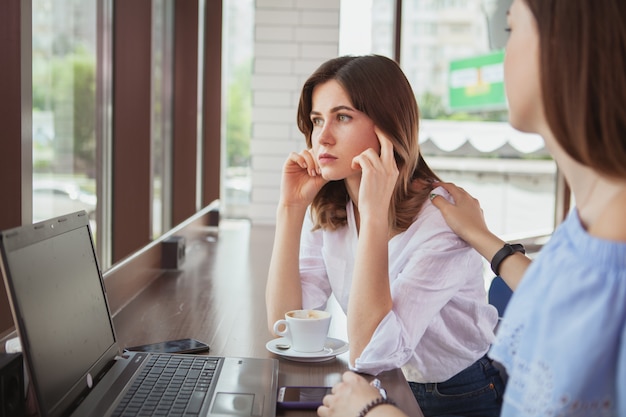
x,y
303,398
172,346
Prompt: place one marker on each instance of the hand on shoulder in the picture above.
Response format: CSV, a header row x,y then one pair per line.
x,y
464,214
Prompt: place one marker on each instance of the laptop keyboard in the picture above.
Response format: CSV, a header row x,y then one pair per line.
x,y
169,385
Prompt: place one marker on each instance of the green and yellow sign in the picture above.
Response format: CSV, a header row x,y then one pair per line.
x,y
477,83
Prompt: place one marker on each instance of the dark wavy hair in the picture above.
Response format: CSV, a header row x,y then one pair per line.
x,y
583,78
378,88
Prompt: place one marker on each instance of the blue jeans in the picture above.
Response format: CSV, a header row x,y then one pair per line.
x,y
476,391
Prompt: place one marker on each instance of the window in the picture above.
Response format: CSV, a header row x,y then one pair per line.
x,y
237,67
471,143
64,108
466,141
161,114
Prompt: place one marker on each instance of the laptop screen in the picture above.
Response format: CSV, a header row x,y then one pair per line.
x,y
62,312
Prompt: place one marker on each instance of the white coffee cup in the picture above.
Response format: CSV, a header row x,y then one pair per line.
x,y
306,330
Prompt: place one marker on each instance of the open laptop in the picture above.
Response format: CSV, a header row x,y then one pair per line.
x,y
76,367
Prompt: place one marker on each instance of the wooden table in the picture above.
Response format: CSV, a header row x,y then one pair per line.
x,y
219,297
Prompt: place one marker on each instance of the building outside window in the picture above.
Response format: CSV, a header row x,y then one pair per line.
x,y
445,51
237,75
64,108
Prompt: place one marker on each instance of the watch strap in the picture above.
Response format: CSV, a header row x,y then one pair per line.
x,y
506,251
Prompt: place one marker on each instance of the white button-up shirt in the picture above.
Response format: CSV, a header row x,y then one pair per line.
x,y
440,322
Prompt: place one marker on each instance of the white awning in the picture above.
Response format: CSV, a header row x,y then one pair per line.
x,y
443,137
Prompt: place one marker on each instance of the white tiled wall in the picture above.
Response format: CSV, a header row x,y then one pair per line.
x,y
291,39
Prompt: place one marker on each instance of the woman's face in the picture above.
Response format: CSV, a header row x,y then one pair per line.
x,y
521,70
340,132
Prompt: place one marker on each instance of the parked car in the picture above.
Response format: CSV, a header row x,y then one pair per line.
x,y
54,198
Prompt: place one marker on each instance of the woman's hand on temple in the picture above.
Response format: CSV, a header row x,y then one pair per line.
x,y
378,178
465,218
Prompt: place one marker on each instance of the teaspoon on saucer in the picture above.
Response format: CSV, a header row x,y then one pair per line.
x,y
282,346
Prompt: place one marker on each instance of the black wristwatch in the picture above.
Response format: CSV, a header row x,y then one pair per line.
x,y
506,251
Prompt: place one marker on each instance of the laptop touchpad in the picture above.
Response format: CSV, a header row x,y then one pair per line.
x,y
233,404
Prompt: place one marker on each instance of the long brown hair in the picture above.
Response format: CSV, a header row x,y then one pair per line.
x,y
583,78
378,88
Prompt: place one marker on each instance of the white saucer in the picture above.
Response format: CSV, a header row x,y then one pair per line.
x,y
332,348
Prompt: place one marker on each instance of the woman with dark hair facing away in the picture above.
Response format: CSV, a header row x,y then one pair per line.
x,y
562,339
350,222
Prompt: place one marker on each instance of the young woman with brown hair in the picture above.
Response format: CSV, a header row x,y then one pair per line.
x,y
351,222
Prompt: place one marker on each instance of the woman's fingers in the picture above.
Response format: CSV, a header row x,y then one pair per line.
x,y
301,178
370,158
348,397
305,160
449,187
364,160
386,146
458,194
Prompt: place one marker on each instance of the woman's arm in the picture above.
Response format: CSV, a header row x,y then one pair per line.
x,y
300,183
465,218
284,290
370,294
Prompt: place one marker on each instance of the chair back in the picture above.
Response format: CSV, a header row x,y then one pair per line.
x,y
499,294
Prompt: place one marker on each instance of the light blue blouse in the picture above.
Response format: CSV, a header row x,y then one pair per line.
x,y
563,336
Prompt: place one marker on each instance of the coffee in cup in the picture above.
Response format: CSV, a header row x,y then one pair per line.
x,y
306,330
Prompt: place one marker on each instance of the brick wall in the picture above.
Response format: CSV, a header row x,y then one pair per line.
x,y
291,39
